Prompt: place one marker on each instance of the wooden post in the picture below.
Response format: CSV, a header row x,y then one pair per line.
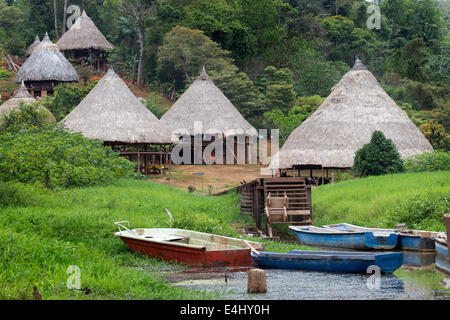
x,y
256,281
139,161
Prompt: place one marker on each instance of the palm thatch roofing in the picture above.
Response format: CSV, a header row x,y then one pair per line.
x,y
47,63
356,107
112,113
204,102
22,95
83,35
36,42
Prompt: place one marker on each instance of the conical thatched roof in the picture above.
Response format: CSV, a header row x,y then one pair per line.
x,y
204,102
111,112
356,107
83,35
47,63
36,42
22,95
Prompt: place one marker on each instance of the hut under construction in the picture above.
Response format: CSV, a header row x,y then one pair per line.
x,y
45,68
30,49
328,139
22,96
112,113
203,113
84,43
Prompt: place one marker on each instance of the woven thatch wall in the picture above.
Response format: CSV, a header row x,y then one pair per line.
x,y
204,102
36,42
356,107
22,95
111,112
83,35
47,63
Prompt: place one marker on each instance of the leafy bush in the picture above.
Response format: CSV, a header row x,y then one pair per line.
x,y
434,161
378,157
421,212
66,98
54,157
20,195
26,116
5,74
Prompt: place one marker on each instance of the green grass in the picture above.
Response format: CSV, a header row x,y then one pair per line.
x,y
42,238
368,201
43,232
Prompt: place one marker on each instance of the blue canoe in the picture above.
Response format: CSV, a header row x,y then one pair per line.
x,y
415,240
329,261
315,236
442,261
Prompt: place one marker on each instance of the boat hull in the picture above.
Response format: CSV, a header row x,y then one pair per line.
x,y
411,242
328,261
442,261
350,240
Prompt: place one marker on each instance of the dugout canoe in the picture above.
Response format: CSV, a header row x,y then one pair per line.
x,y
414,240
329,261
188,247
359,240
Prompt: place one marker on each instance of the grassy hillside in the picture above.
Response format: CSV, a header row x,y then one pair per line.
x,y
380,201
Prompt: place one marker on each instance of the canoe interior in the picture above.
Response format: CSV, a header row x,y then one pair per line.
x,y
188,238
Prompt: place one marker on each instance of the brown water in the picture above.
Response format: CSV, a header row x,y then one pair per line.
x,y
417,279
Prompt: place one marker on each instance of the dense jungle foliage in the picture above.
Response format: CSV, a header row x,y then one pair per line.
x,y
274,59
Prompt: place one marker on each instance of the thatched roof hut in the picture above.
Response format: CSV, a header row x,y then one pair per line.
x,y
30,49
83,35
47,63
356,107
112,113
22,95
204,102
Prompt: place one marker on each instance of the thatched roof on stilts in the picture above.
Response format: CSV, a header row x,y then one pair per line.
x,y
83,35
47,63
356,107
22,96
112,113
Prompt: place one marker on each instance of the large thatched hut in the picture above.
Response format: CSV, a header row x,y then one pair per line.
x,y
22,96
45,68
112,113
203,110
329,138
83,42
30,49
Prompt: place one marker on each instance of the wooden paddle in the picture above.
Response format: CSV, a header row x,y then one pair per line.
x,y
251,247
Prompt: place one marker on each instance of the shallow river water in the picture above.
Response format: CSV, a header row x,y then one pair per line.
x,y
417,279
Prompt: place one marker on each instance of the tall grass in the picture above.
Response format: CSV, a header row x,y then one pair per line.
x,y
43,234
369,201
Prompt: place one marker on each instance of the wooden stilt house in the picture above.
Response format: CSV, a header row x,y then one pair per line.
x,y
112,113
328,139
45,68
206,115
84,43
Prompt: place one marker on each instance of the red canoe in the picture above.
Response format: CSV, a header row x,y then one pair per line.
x,y
188,247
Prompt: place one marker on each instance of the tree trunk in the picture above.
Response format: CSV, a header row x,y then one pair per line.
x,y
141,55
56,19
64,18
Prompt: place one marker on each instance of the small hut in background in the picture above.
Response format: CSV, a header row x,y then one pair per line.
x,y
30,49
45,68
329,138
84,43
204,103
112,113
23,96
